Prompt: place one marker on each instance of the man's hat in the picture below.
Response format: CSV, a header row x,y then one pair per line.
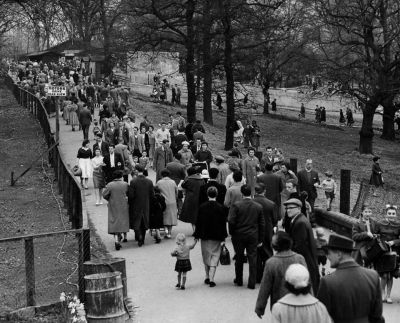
x,y
293,201
219,158
340,243
376,158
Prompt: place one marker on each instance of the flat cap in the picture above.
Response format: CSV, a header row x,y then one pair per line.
x,y
296,202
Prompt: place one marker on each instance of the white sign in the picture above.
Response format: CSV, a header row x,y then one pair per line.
x,y
56,91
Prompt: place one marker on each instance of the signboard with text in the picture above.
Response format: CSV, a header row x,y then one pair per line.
x,y
56,90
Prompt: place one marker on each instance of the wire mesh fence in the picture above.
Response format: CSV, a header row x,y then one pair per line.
x,y
40,267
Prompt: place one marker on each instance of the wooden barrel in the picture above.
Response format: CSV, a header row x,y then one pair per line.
x,y
97,266
104,298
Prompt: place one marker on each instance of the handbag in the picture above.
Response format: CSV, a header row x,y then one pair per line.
x,y
376,249
76,170
388,262
225,257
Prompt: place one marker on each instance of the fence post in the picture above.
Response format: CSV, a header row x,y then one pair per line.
x,y
30,272
345,181
84,255
293,165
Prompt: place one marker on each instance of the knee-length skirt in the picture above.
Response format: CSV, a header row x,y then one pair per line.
x,y
211,251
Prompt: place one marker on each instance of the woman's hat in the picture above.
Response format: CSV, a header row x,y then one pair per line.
x,y
204,174
340,243
185,143
376,158
298,276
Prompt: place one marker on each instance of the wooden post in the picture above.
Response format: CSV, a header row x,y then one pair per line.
x,y
30,272
86,245
293,165
345,181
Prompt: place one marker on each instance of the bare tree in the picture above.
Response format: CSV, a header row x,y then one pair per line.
x,y
359,42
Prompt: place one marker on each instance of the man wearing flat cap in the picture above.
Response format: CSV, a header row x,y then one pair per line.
x,y
352,293
299,228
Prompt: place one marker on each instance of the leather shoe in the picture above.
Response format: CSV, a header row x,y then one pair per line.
x,y
140,243
212,284
251,286
237,282
117,246
207,281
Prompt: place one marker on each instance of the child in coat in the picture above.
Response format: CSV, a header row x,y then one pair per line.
x,y
182,253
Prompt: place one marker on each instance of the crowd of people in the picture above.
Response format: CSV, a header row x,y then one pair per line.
x,y
264,206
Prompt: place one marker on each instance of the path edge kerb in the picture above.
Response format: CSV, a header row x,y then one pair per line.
x,y
75,205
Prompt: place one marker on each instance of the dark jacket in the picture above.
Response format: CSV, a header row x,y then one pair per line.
x,y
104,148
304,243
85,118
352,294
198,126
108,170
273,186
221,192
204,155
125,135
306,185
211,222
270,213
361,238
246,218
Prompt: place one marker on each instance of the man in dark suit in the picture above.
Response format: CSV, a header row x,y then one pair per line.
x,y
268,158
270,213
85,119
247,227
113,161
102,145
351,293
213,173
140,195
273,185
308,182
122,133
299,229
195,147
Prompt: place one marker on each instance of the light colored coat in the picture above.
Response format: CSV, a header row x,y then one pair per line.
x,y
169,190
300,308
116,195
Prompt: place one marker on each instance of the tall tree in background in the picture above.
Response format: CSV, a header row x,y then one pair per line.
x,y
155,25
359,42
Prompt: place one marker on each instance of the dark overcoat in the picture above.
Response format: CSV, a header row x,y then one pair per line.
x,y
273,186
352,294
304,243
270,213
376,176
140,195
190,207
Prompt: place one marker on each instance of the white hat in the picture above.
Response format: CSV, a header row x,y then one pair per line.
x,y
204,174
185,143
298,276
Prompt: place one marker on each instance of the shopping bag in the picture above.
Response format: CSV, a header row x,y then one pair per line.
x,y
225,258
76,170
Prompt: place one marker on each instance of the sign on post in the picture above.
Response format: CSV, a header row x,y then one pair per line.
x,y
56,90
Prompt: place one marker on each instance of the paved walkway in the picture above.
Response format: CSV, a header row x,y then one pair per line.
x,y
150,270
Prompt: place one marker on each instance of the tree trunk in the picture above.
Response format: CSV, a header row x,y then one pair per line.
x,y
230,85
366,132
190,65
207,66
389,111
